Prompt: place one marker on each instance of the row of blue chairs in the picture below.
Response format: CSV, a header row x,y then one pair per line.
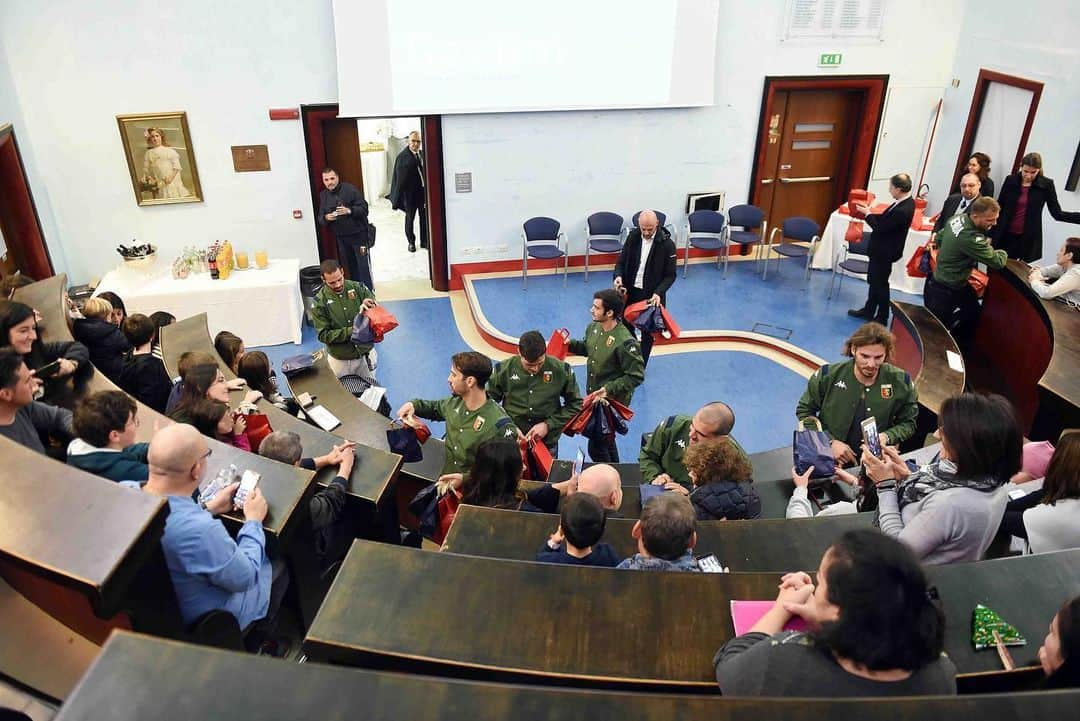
x,y
707,230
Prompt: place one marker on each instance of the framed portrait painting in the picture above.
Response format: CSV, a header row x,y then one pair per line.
x,y
160,158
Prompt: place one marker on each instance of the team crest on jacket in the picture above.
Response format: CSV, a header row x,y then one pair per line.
x,y
352,293
610,341
547,376
886,390
478,423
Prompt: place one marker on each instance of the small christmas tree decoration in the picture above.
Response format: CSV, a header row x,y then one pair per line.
x,y
984,622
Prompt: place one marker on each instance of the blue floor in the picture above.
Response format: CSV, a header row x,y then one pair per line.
x,y
414,359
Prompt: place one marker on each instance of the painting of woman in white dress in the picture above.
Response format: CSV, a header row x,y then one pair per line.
x,y
160,158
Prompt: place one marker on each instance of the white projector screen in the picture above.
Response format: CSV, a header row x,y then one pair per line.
x,y
436,57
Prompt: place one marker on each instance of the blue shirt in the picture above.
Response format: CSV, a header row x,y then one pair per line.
x,y
210,570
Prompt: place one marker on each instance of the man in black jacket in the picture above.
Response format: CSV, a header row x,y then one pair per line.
x,y
407,189
646,268
970,190
343,208
890,231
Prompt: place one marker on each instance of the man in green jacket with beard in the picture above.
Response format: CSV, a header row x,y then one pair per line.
x,y
842,395
336,306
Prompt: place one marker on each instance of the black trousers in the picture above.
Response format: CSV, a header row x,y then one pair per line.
x,y
603,451
410,218
1014,244
261,630
956,308
636,295
877,296
357,264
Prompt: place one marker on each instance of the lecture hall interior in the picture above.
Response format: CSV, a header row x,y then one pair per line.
x,y
678,225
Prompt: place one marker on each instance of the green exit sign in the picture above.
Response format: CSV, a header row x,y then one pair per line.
x,y
829,60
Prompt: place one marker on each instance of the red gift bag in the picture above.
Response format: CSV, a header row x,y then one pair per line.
x,y
535,460
258,428
419,427
632,311
382,321
670,323
857,196
559,343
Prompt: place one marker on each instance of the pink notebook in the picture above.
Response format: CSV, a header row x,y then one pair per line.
x,y
744,614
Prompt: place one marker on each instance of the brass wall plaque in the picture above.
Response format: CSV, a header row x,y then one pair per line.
x,y
250,158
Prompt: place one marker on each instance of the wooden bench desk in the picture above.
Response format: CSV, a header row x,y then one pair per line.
x,y
165,674
776,546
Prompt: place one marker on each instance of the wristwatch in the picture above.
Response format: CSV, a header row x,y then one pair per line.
x,y
889,484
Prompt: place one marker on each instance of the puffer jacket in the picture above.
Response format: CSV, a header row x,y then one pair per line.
x,y
732,500
106,343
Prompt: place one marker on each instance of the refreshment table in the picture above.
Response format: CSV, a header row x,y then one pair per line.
x,y
261,306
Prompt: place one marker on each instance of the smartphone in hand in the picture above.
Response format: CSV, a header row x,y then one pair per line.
x,y
871,437
48,370
247,484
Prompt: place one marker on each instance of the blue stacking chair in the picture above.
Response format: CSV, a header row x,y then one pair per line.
x,y
661,218
603,234
541,238
844,261
797,229
706,230
747,217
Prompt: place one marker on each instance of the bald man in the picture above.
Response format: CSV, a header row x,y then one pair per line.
x,y
210,571
599,480
661,458
646,268
407,190
603,482
970,190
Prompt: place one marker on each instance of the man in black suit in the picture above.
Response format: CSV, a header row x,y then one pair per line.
x,y
970,190
407,190
343,208
646,268
887,240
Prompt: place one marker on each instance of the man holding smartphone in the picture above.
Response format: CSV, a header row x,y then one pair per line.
x,y
843,395
343,208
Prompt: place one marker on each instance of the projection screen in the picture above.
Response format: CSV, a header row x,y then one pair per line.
x,y
431,57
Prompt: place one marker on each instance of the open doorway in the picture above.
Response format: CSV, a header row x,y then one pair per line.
x,y
382,140
363,151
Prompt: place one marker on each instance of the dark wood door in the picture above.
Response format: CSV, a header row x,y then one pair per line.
x,y
808,145
342,142
19,226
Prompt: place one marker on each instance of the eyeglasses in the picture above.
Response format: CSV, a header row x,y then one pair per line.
x,y
202,458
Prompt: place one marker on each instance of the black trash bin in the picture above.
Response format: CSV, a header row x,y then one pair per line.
x,y
310,283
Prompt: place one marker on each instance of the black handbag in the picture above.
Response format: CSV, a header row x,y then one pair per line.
x,y
370,235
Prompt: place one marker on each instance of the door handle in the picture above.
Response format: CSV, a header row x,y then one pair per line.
x,y
766,181
811,179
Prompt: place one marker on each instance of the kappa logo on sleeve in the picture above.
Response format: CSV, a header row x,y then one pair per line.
x,y
956,223
515,377
840,384
680,443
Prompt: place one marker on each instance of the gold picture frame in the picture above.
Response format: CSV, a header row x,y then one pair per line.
x,y
160,158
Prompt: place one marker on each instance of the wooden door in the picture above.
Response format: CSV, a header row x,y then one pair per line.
x,y
809,141
342,142
19,225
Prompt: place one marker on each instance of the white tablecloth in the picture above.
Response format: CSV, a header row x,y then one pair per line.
x,y
261,306
373,167
831,246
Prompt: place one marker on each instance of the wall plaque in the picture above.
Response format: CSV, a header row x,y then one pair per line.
x,y
250,158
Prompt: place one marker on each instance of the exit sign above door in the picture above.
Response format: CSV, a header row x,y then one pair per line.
x,y
829,60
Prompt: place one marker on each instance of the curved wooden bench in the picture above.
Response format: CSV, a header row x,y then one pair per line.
x,y
374,471
762,545
38,651
922,345
359,422
606,627
262,688
1028,349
